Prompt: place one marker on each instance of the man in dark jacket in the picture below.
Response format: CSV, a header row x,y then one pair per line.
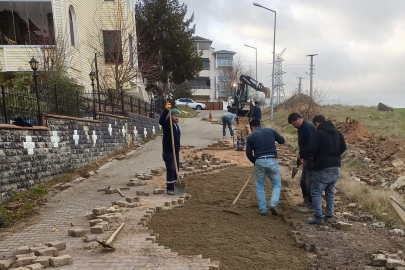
x,y
304,130
168,157
325,148
257,111
261,151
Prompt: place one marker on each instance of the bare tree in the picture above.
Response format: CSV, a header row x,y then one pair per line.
x,y
228,76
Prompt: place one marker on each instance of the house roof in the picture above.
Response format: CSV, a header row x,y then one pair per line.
x,y
201,39
224,51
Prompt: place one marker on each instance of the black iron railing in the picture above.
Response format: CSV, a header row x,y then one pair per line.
x,y
24,103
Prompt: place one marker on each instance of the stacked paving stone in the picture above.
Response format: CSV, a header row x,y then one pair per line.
x,y
384,260
38,257
220,145
193,165
100,220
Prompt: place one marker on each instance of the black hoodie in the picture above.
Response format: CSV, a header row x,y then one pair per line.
x,y
325,147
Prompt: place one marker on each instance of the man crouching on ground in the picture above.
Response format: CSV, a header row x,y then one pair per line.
x,y
325,147
168,157
262,143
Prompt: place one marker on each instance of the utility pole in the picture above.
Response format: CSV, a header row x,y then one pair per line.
x,y
300,85
311,72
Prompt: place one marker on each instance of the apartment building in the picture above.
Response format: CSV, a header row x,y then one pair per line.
x,y
77,29
206,85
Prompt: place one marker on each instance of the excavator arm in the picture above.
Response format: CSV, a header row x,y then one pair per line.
x,y
246,81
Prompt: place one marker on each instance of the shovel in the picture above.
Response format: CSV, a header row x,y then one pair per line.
x,y
179,186
295,169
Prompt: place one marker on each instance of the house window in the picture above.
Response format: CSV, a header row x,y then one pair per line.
x,y
202,83
112,47
26,23
204,46
72,24
206,63
224,59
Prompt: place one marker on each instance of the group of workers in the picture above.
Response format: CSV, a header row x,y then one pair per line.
x,y
320,148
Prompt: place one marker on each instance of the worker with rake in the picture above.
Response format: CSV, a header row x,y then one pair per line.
x,y
168,155
261,151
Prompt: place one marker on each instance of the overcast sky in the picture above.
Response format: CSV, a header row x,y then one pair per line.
x,y
360,43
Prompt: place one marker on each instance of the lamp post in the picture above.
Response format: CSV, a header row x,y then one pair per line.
x,y
34,66
92,76
274,56
256,64
122,95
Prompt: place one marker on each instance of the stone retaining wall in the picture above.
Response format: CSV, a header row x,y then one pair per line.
x,y
30,156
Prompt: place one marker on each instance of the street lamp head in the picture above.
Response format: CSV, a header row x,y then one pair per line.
x,y
92,76
34,64
257,5
121,84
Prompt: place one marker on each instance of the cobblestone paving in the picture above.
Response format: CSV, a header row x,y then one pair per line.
x,y
133,251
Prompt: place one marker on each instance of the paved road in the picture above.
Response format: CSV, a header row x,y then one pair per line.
x,y
71,205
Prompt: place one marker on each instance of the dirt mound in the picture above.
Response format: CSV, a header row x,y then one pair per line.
x,y
296,101
353,131
245,241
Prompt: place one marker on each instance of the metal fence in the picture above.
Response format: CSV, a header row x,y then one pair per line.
x,y
25,104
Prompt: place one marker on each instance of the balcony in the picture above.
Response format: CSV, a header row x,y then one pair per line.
x,y
201,91
224,63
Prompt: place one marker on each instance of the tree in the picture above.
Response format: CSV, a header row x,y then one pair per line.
x,y
183,90
228,76
164,31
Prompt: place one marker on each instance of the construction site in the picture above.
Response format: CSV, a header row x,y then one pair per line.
x,y
114,213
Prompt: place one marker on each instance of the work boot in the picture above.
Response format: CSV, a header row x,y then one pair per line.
x,y
263,214
170,192
273,210
314,220
303,204
306,210
328,220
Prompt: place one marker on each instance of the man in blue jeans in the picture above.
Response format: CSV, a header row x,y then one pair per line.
x,y
325,148
261,151
227,119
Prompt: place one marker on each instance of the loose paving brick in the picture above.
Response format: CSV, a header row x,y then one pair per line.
x,y
99,211
22,250
23,261
97,229
31,254
57,244
94,222
105,225
35,266
77,232
44,260
132,199
50,251
61,260
5,264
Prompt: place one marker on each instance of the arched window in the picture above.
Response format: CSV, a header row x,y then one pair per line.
x,y
72,24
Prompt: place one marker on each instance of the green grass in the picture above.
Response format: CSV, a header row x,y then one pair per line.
x,y
186,112
380,123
